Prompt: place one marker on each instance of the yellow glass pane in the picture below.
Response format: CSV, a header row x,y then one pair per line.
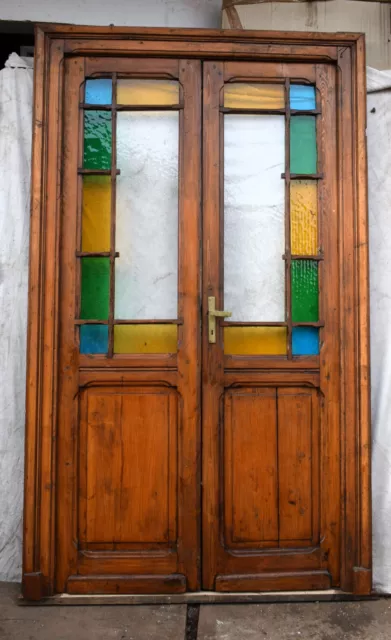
x,y
140,92
254,96
265,341
145,338
95,233
304,218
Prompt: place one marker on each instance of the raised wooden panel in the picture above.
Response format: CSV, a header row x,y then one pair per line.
x,y
250,466
128,464
270,467
298,463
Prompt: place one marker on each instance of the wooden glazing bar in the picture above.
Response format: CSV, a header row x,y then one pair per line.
x,y
305,112
79,223
128,322
110,350
288,258
241,111
97,172
80,322
178,321
304,176
319,201
96,254
270,324
226,323
130,107
287,178
265,112
320,323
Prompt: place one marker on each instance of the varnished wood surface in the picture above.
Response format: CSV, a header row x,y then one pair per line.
x,y
313,489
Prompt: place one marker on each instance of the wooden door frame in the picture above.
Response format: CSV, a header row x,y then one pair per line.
x,y
347,52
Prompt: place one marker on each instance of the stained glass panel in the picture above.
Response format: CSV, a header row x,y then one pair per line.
x,y
98,91
147,92
145,338
254,96
303,145
93,338
304,291
302,97
95,279
96,213
304,217
97,140
255,341
305,341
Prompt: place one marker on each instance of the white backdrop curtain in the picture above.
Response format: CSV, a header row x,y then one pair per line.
x,y
16,97
16,91
379,188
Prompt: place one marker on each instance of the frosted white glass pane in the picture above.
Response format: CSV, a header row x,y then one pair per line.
x,y
254,237
146,273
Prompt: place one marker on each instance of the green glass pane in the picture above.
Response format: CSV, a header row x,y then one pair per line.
x,y
305,291
95,281
303,144
97,140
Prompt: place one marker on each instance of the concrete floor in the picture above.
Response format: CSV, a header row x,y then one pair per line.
x,y
315,621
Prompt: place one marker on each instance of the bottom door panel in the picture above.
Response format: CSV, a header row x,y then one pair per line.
x,y
128,468
127,501
270,465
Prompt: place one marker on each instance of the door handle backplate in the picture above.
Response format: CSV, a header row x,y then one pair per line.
x,y
214,313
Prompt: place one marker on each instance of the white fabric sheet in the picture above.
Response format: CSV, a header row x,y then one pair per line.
x,y
16,96
379,183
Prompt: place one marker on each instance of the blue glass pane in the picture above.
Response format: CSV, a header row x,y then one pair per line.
x,y
305,341
98,91
302,96
94,338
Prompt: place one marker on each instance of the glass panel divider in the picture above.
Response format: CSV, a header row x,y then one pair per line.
x,y
113,214
287,176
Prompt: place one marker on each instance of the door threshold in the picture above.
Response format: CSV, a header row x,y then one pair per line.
x,y
198,597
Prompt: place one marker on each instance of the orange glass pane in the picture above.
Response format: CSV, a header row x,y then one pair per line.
x,y
145,338
95,233
270,341
240,95
304,218
140,92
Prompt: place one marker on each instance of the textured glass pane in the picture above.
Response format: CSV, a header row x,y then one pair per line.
x,y
145,338
95,278
95,235
254,281
254,96
93,338
304,291
304,217
98,91
255,341
303,144
140,92
305,341
302,97
146,273
97,140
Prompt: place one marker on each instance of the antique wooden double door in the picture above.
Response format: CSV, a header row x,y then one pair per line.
x,y
199,426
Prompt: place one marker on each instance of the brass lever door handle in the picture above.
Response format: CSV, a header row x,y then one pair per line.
x,y
214,313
